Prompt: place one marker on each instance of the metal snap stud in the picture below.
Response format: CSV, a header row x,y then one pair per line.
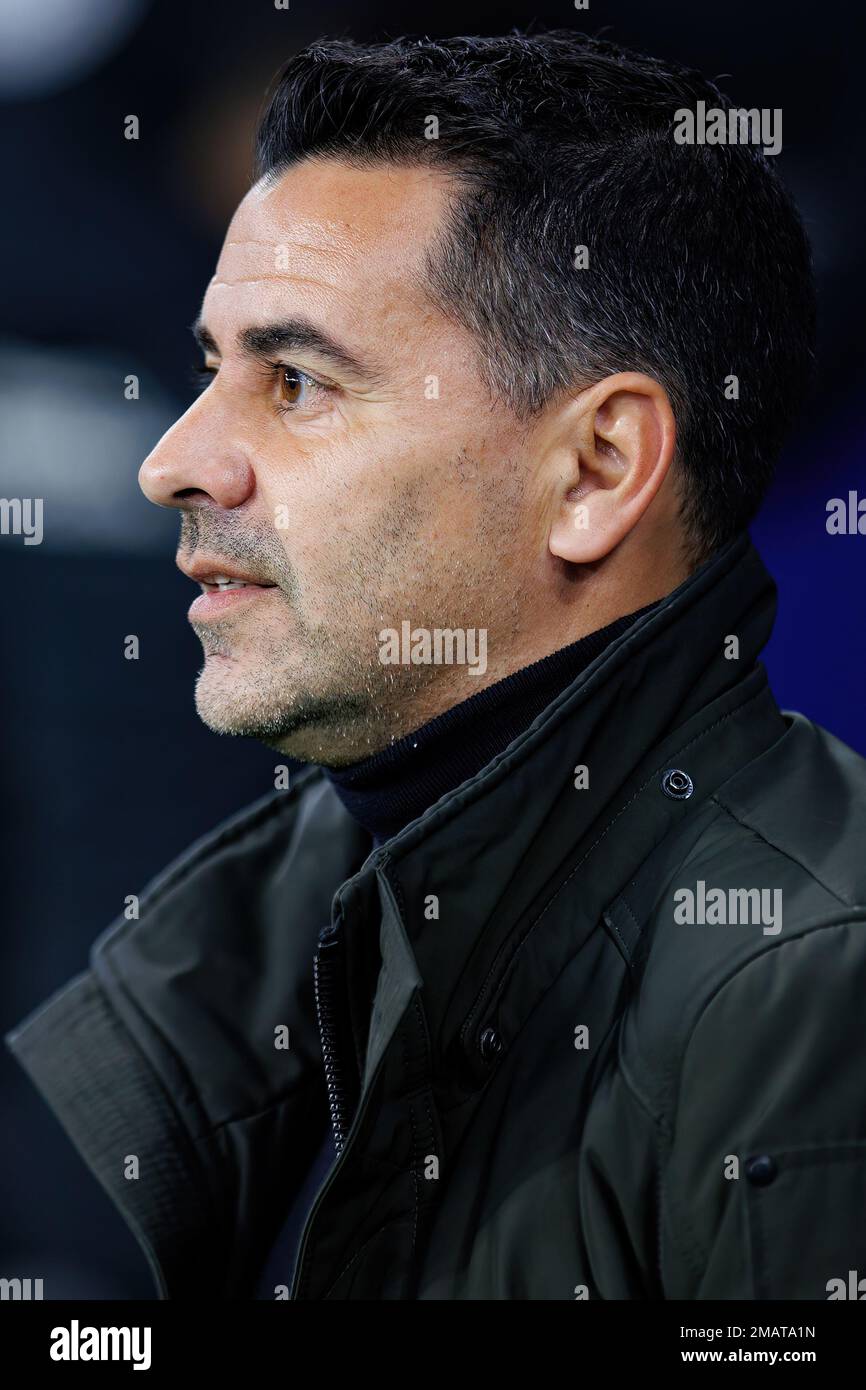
x,y
489,1044
677,784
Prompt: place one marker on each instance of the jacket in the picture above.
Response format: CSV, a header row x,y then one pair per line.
x,y
590,1027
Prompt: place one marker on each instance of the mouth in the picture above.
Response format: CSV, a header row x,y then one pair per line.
x,y
221,583
222,588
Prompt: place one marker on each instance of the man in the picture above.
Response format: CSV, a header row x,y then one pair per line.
x,y
543,980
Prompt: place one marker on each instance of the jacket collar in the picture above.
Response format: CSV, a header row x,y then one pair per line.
x,y
457,886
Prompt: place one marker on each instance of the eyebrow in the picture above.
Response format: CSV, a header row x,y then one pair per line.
x,y
289,335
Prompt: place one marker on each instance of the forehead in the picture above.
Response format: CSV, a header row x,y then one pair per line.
x,y
325,233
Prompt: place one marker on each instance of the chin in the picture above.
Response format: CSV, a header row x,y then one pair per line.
x,y
226,700
231,700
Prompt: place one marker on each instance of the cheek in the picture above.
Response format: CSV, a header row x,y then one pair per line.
x,y
363,522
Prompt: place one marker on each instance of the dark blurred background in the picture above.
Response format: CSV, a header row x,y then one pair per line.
x,y
107,245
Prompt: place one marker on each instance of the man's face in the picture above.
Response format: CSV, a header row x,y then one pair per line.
x,y
357,486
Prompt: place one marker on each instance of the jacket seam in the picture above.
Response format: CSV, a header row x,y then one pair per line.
x,y
632,1085
633,915
662,1136
607,918
806,869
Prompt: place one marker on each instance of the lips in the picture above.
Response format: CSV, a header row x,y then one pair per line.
x,y
222,586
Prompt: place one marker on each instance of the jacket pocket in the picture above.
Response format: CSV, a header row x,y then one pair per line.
x,y
806,1213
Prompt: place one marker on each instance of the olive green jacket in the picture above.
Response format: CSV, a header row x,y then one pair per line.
x,y
592,1026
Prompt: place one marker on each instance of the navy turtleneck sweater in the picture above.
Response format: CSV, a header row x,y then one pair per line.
x,y
388,790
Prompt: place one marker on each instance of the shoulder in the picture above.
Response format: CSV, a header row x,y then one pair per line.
x,y
233,889
245,842
754,918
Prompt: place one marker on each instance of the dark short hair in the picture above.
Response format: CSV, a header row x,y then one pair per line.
x,y
698,264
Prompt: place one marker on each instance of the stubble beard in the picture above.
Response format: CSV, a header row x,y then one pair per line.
x,y
333,704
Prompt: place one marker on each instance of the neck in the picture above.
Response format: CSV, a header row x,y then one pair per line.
x,y
395,786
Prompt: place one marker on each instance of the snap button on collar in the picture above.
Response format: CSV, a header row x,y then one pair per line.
x,y
677,784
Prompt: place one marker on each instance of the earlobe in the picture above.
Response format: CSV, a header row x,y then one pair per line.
x,y
621,450
580,533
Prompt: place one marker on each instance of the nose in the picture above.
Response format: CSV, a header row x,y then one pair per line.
x,y
198,461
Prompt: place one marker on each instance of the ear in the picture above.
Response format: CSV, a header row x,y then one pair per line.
x,y
610,451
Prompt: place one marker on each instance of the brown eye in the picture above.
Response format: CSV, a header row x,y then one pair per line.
x,y
297,390
292,384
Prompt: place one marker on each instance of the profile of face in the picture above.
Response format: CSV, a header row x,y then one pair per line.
x,y
349,470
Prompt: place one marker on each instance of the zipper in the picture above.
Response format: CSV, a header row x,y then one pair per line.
x,y
332,1010
342,1074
